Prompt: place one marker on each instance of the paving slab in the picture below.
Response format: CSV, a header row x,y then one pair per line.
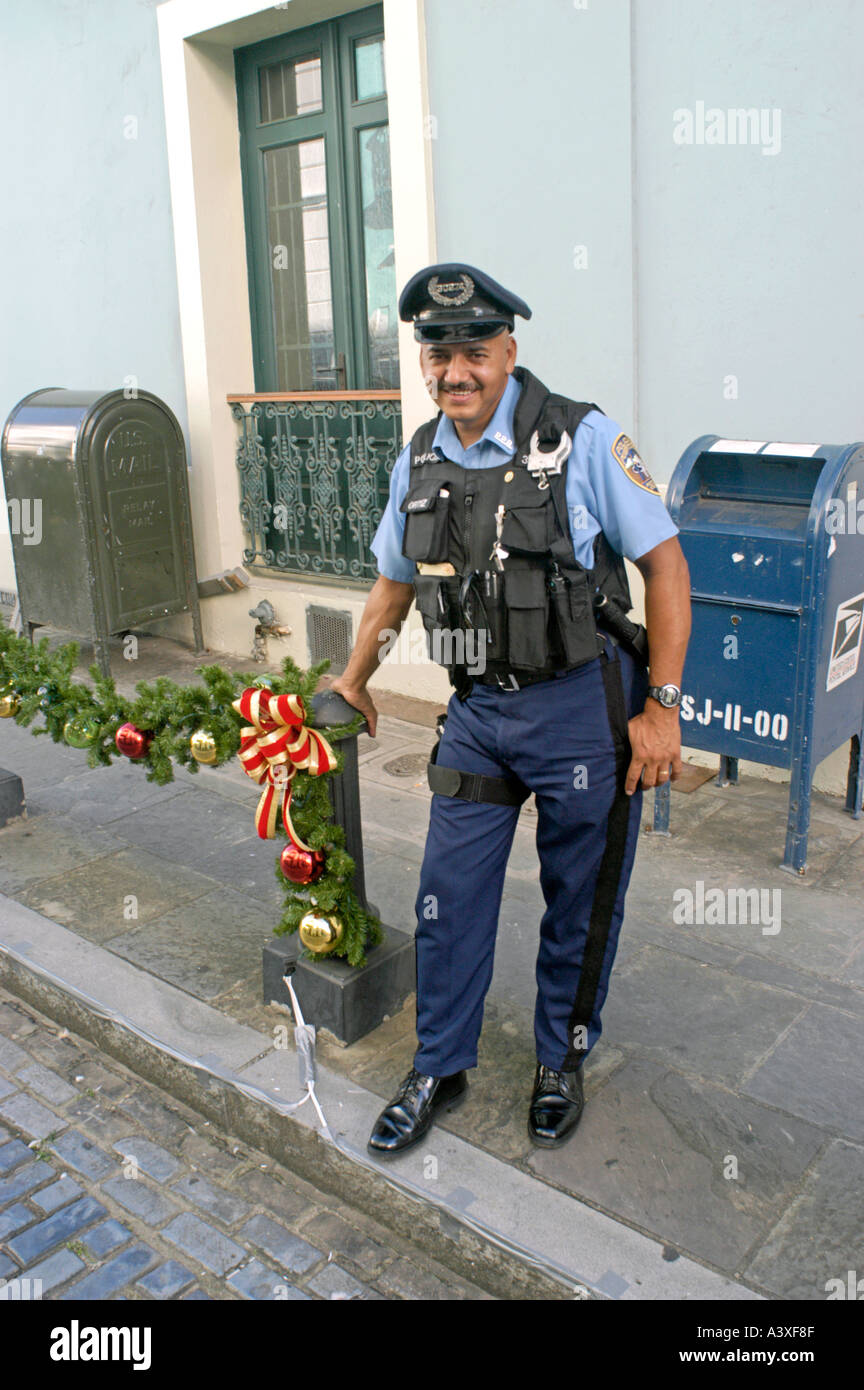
x,y
797,924
205,946
256,1281
31,1116
56,1229
26,860
149,1157
116,893
203,1242
686,1161
57,1194
710,1021
816,1071
764,853
45,1083
38,760
56,1270
96,796
791,1263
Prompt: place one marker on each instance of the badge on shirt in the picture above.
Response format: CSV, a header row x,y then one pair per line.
x,y
624,450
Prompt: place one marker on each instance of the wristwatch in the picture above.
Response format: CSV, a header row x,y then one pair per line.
x,y
667,695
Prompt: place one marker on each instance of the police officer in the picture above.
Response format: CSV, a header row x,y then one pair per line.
x,y
507,520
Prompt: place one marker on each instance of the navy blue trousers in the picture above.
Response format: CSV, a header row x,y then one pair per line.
x,y
566,740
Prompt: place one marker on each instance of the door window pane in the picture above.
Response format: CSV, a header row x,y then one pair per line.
x,y
287,89
295,180
374,152
369,68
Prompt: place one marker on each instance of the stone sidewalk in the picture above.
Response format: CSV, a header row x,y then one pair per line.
x,y
727,1048
92,1207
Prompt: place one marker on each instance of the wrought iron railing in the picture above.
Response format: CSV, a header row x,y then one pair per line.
x,y
314,478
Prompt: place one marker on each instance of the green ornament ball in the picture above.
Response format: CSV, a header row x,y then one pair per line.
x,y
80,733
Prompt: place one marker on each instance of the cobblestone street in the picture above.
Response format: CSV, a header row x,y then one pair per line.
x,y
109,1189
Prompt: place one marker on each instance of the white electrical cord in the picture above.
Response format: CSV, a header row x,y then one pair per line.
x,y
304,1037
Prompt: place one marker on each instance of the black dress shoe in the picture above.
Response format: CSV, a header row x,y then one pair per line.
x,y
411,1111
557,1102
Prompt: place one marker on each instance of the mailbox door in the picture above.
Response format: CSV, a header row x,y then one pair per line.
x,y
738,691
137,475
49,543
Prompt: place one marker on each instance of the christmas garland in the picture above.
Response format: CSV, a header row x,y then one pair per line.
x,y
201,723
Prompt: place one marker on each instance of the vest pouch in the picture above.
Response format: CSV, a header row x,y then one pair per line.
x,y
484,619
573,618
527,525
426,508
438,605
527,619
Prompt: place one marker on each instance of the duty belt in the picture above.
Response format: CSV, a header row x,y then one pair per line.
x,y
510,680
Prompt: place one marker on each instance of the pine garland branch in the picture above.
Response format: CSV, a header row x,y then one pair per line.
x,y
43,682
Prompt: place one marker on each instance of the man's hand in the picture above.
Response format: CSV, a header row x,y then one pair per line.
x,y
359,697
655,734
655,742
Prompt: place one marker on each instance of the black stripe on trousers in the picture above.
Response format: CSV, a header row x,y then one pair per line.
x,y
609,875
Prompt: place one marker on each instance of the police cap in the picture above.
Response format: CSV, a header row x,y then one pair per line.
x,y
455,303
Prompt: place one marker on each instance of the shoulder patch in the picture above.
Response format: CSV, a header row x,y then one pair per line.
x,y
624,450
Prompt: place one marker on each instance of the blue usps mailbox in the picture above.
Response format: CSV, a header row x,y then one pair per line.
x,y
774,538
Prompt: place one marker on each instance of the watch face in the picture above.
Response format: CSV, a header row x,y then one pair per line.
x,y
669,695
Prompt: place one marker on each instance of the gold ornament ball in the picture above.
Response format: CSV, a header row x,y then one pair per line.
x,y
203,747
320,934
10,703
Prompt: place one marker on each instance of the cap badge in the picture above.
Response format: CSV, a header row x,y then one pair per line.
x,y
452,293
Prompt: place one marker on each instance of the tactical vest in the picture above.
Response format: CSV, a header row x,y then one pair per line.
x,y
531,611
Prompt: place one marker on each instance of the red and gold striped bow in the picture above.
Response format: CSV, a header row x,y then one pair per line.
x,y
274,746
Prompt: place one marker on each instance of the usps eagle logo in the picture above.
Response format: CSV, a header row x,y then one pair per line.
x,y
624,450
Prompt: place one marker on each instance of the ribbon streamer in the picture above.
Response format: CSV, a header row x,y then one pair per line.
x,y
276,744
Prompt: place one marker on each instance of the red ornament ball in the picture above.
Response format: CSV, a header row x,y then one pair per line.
x,y
132,741
302,865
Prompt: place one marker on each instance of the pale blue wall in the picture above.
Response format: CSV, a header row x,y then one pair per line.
x,y
751,264
86,243
745,264
531,157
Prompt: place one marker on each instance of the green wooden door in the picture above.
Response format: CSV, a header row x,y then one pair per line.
x,y
319,217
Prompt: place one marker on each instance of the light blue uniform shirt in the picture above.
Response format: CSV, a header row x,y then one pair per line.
x,y
601,493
